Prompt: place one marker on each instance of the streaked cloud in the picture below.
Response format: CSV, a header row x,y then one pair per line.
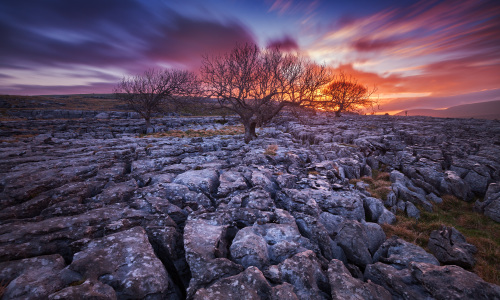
x,y
124,35
441,48
412,51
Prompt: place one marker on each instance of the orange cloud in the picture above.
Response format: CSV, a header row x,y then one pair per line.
x,y
438,49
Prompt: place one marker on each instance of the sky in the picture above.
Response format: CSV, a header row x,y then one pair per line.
x,y
418,54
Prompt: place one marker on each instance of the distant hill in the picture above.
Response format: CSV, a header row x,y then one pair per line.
x,y
483,110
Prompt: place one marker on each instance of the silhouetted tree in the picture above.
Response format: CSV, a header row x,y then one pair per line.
x,y
344,94
147,93
257,83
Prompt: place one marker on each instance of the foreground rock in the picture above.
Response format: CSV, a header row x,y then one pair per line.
x,y
126,262
427,281
344,286
89,209
491,204
451,248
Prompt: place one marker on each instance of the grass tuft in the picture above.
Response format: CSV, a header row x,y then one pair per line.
x,y
379,185
271,150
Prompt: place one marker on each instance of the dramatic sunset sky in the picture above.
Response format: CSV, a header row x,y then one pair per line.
x,y
419,54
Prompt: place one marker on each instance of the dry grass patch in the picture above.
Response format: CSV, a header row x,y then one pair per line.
x,y
379,186
478,229
271,150
228,130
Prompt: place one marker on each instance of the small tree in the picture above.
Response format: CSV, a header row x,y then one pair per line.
x,y
149,92
256,84
344,94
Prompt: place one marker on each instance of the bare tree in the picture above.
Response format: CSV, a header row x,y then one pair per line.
x,y
307,92
344,94
256,84
148,93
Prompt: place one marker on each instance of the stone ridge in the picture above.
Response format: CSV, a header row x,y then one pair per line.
x,y
89,209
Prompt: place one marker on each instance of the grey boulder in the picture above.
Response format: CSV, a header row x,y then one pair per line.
x,y
202,181
491,204
344,286
353,239
250,284
399,253
126,262
451,248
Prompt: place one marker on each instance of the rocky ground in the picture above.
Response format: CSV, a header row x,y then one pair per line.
x,y
90,210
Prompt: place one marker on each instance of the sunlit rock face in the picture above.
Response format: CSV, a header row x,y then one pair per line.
x,y
91,208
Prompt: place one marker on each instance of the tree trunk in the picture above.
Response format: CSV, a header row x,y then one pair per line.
x,y
148,123
337,113
250,131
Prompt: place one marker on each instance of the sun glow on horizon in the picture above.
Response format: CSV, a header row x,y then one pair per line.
x,y
394,96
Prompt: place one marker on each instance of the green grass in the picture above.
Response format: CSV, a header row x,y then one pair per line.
x,y
478,230
379,185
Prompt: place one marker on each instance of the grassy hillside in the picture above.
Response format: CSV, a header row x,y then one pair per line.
x,y
483,110
100,102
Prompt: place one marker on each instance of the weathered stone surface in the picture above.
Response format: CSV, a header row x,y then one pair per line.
x,y
373,208
344,286
230,181
181,196
399,253
399,283
283,240
491,204
303,271
478,183
454,185
353,239
298,201
320,240
206,252
255,198
32,278
201,181
125,261
387,217
452,282
250,284
78,181
405,194
249,249
375,235
331,222
450,247
412,211
432,197
55,235
262,179
89,289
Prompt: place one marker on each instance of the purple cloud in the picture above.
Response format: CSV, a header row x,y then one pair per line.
x,y
286,44
34,89
366,45
116,35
